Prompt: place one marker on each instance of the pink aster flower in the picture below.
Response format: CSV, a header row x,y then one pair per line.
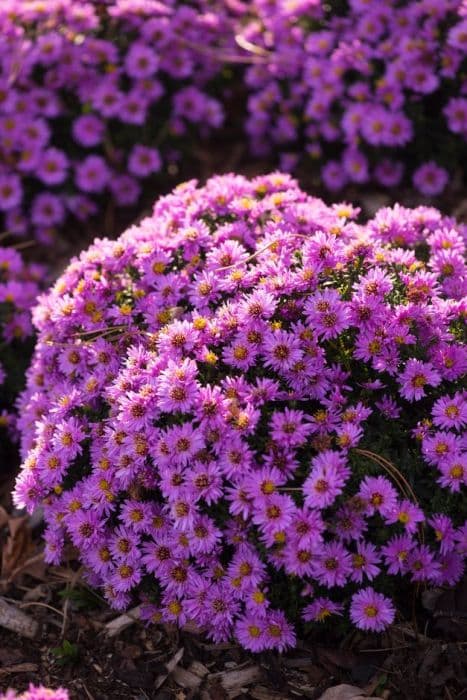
x,y
141,61
53,166
326,479
440,446
88,130
371,611
321,609
450,412
11,191
422,564
92,174
415,377
365,562
444,532
250,632
278,632
379,495
453,472
327,313
334,565
274,514
144,161
281,350
406,513
430,179
452,567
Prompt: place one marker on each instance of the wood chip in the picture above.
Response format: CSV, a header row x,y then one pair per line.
x,y
198,669
261,692
17,621
18,668
186,679
170,666
234,680
118,624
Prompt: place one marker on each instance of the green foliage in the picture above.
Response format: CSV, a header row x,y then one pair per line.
x,y
66,654
81,598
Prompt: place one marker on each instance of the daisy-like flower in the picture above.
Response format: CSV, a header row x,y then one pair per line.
x,y
251,634
450,412
406,513
444,532
371,611
453,472
422,564
414,379
321,609
379,495
365,562
278,632
327,313
274,514
326,480
334,565
281,350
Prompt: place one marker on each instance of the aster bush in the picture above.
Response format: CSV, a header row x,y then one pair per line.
x,y
251,402
94,99
370,90
19,287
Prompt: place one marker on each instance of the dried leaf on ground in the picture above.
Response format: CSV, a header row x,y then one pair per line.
x,y
18,545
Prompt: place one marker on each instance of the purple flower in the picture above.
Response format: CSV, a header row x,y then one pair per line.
x,y
371,611
11,192
250,632
320,609
92,174
414,379
52,167
450,412
144,161
141,61
378,494
88,130
430,179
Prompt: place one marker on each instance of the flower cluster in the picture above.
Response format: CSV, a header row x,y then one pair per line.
x,y
36,693
89,93
370,90
19,287
250,393
96,99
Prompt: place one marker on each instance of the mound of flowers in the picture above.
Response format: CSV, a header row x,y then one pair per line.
x,y
36,693
19,287
251,398
369,90
94,98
